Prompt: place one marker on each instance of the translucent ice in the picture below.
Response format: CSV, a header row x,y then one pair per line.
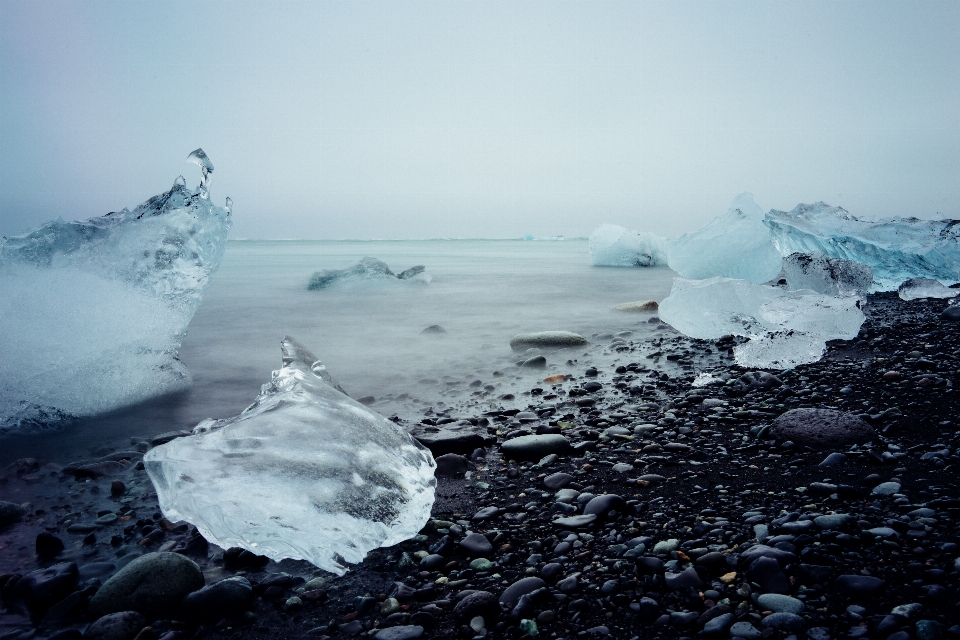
x,y
786,328
735,245
206,167
925,288
93,312
897,248
832,276
305,472
369,270
613,246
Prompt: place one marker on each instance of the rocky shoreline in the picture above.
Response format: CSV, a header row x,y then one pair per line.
x,y
613,500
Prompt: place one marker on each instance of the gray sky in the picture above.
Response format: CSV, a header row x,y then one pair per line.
x,y
479,119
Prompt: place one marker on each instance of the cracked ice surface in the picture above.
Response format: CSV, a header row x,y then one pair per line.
x,y
614,246
305,473
786,328
896,248
735,245
94,311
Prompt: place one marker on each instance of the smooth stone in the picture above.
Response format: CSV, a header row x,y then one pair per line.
x,y
834,521
886,489
857,586
451,465
820,428
783,621
39,590
643,306
478,603
833,459
557,481
951,313
476,544
718,626
534,447
767,573
107,519
683,580
551,571
554,339
575,522
403,632
603,505
536,362
123,625
481,564
744,630
48,545
512,594
10,513
622,467
566,495
225,599
450,438
152,585
779,603
665,546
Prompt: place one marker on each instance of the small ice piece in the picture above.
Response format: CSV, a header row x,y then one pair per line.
x,y
206,167
614,246
915,288
896,248
94,311
305,473
705,379
831,276
786,328
366,269
735,245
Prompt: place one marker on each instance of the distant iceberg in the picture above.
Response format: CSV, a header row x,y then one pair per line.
x,y
305,472
366,269
896,248
786,328
94,311
735,245
614,246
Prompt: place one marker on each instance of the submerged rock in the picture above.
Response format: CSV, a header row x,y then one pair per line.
x,y
546,339
644,306
305,472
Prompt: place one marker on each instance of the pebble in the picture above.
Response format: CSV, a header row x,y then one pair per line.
x,y
779,603
534,447
744,630
123,625
512,594
555,339
476,544
789,622
858,586
557,481
152,585
886,489
835,521
451,465
402,632
666,546
226,598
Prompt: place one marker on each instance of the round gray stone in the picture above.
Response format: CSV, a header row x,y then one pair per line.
x,y
153,585
403,632
512,594
820,428
779,603
554,339
534,447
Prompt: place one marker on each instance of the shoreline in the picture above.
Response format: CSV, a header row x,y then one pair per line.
x,y
695,468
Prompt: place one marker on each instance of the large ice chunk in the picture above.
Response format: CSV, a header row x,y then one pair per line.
x,y
915,288
93,312
614,246
786,328
831,276
366,270
896,248
735,245
305,472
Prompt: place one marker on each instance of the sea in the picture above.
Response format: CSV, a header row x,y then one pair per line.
x,y
370,332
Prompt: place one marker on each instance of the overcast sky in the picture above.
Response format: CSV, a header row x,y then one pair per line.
x,y
479,119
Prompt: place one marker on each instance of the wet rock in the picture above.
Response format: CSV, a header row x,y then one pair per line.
x,y
718,626
39,590
760,380
476,544
48,545
512,594
820,428
434,329
683,580
225,599
534,447
744,630
123,625
951,314
10,513
767,573
557,481
451,465
857,586
449,438
153,585
575,522
780,603
788,622
833,459
546,339
536,362
402,632
603,506
478,603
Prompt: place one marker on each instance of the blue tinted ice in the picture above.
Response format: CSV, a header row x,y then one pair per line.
x,y
206,167
614,246
832,276
735,245
94,311
896,248
305,472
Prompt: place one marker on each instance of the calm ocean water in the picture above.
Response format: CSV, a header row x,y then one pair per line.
x,y
368,333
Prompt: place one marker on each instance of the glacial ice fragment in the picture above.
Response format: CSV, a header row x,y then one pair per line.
x,y
830,276
305,472
206,167
614,246
93,312
896,248
786,328
366,269
915,288
735,245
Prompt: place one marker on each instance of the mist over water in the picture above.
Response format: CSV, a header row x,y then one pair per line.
x,y
368,332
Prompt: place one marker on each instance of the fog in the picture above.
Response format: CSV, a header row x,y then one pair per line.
x,y
362,120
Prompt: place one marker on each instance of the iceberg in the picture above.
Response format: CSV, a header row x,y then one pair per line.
x,y
915,288
305,472
830,276
785,328
614,246
736,245
94,311
369,270
897,249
